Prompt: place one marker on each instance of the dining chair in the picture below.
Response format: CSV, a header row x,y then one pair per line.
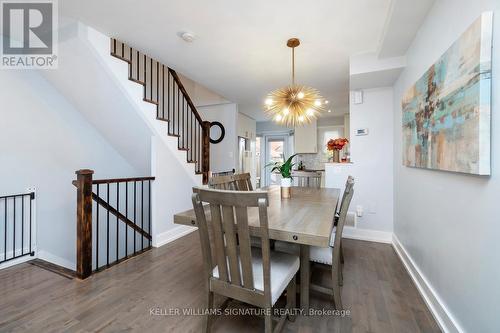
x,y
243,182
307,178
233,269
330,256
348,184
222,182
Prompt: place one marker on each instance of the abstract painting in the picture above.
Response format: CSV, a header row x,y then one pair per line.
x,y
446,113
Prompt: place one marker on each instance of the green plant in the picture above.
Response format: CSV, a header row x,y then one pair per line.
x,y
285,169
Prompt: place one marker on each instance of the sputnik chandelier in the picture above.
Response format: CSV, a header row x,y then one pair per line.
x,y
294,105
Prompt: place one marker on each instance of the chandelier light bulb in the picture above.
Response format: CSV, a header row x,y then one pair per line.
x,y
310,112
269,101
329,111
300,95
286,111
301,118
326,102
317,102
278,117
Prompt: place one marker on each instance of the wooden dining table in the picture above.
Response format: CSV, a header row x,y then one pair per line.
x,y
305,219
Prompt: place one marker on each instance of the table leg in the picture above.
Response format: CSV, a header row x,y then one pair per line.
x,y
304,277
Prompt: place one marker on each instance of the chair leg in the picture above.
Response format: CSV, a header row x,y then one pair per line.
x,y
337,298
208,319
268,321
291,298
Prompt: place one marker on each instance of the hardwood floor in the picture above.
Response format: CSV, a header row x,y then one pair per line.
x,y
377,290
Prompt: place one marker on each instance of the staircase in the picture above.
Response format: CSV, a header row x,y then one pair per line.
x,y
164,89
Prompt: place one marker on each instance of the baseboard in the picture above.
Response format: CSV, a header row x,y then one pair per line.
x,y
444,318
52,258
172,234
15,261
367,235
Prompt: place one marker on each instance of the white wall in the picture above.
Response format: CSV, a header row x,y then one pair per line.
x,y
171,191
372,157
223,154
448,222
44,140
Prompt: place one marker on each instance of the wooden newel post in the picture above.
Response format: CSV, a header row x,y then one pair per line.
x,y
84,223
205,163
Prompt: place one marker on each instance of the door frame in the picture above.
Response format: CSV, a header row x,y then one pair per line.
x,y
266,138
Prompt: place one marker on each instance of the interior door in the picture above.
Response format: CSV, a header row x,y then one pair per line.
x,y
276,150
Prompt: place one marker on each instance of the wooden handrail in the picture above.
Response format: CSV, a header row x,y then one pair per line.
x,y
121,180
186,95
164,88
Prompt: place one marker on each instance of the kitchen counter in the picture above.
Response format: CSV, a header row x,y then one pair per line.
x,y
337,173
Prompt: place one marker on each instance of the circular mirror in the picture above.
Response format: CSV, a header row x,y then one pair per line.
x,y
216,131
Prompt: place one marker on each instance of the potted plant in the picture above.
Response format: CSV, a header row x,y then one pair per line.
x,y
285,169
335,146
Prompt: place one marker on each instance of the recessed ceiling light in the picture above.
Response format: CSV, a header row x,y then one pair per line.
x,y
187,36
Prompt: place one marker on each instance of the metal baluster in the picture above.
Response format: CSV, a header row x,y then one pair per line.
x,y
168,102
117,221
138,63
22,223
97,232
107,226
183,127
126,215
178,113
32,196
163,91
5,234
149,200
142,213
173,106
14,233
135,209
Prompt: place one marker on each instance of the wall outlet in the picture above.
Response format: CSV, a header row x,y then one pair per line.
x,y
359,211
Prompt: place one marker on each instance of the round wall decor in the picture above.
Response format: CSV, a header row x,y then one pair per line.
x,y
222,132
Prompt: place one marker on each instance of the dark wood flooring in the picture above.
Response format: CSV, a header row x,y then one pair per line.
x,y
377,291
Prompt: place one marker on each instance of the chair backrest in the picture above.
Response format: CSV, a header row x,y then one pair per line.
x,y
243,182
231,249
344,207
307,178
222,182
222,173
349,183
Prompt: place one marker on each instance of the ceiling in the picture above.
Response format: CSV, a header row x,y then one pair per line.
x,y
239,51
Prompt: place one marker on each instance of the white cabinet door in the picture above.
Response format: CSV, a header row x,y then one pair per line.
x,y
306,138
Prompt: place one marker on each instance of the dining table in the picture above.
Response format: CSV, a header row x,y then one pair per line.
x,y
306,219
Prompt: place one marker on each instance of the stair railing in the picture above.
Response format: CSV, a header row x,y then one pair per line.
x,y
113,221
17,230
163,87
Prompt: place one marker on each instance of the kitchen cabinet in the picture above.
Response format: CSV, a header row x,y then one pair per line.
x,y
306,138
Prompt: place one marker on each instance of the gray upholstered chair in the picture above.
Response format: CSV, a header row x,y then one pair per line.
x,y
233,268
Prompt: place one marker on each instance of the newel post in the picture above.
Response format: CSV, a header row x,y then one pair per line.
x,y
84,223
205,163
